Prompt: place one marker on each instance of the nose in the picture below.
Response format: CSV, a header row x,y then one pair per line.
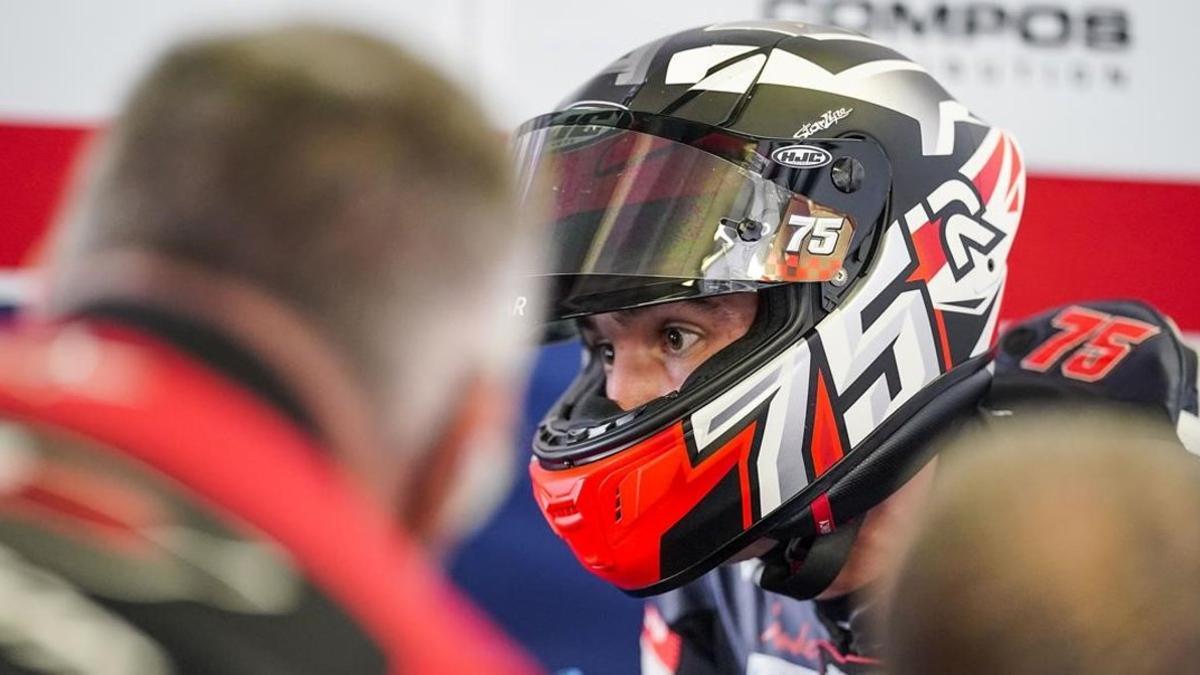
x,y
636,378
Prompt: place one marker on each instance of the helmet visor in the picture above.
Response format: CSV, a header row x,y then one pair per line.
x,y
632,205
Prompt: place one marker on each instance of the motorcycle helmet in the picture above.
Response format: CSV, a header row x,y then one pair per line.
x,y
870,211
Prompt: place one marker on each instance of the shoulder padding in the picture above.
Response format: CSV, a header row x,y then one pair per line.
x,y
1119,352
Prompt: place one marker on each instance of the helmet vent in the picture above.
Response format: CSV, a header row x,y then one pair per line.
x,y
617,511
561,510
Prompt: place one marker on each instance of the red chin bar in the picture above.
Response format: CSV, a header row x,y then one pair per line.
x,y
617,513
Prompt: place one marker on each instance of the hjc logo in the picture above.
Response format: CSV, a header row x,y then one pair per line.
x,y
802,156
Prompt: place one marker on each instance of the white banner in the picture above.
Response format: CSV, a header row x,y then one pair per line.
x,y
1088,88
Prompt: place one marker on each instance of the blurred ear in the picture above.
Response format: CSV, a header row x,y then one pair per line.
x,y
460,480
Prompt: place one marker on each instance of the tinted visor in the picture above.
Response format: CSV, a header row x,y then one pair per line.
x,y
637,217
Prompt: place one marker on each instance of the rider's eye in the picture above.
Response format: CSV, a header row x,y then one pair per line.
x,y
679,339
606,353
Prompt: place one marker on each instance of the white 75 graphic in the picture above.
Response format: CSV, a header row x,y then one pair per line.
x,y
825,232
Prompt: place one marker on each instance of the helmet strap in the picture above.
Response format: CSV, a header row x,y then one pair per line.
x,y
808,560
804,568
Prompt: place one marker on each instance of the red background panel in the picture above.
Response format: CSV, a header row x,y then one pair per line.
x,y
34,164
1090,238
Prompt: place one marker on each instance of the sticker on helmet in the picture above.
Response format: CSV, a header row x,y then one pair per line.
x,y
812,244
822,234
827,119
802,156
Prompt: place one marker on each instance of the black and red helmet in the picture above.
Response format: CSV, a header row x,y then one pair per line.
x,y
873,214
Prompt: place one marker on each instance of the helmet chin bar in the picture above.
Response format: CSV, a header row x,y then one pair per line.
x,y
806,562
883,462
851,489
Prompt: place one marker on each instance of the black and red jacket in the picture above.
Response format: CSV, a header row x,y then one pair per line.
x,y
167,507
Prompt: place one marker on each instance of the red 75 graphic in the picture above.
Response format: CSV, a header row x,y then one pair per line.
x,y
1108,340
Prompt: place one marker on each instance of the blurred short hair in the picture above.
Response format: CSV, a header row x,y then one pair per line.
x,y
1066,544
338,173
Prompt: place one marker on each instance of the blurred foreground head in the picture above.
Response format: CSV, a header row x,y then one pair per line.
x,y
278,325
1065,545
340,210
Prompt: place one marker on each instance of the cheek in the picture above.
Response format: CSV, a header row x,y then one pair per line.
x,y
677,373
682,368
734,329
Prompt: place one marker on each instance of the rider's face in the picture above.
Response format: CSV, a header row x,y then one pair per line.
x,y
650,351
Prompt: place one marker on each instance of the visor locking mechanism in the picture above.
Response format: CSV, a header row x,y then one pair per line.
x,y
748,229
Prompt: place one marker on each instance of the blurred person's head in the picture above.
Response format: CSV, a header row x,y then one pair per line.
x,y
343,211
781,242
1066,544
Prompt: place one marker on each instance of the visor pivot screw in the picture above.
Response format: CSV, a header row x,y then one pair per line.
x,y
847,174
840,278
747,229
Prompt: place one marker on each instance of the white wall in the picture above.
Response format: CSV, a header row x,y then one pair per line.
x,y
1095,104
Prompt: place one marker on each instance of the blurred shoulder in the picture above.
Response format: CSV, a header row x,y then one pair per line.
x,y
1124,353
